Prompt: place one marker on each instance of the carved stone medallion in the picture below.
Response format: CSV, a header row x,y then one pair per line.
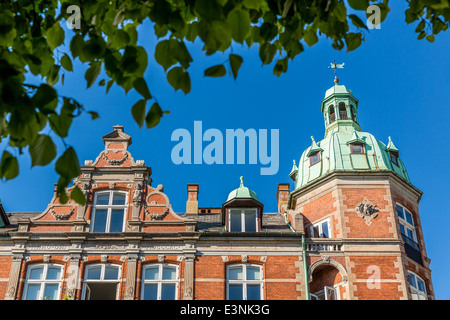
x,y
367,210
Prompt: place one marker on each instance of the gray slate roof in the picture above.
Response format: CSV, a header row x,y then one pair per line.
x,y
271,222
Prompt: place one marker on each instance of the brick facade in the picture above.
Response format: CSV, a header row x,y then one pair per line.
x,y
362,258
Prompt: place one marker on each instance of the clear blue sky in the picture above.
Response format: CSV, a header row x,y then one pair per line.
x,y
402,84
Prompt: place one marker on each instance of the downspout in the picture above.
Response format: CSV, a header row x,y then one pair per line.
x,y
305,268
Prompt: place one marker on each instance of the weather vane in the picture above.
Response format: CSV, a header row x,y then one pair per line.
x,y
335,66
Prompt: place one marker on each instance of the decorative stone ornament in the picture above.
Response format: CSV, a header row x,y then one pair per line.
x,y
62,216
367,210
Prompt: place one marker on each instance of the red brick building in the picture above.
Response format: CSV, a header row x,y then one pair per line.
x,y
349,229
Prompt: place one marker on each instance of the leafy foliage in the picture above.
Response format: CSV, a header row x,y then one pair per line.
x,y
32,34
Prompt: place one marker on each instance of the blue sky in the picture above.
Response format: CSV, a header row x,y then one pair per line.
x,y
402,84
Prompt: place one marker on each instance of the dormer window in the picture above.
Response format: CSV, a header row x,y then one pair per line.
x,y
394,158
314,158
357,148
109,211
242,220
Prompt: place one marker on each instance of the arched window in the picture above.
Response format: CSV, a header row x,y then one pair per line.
x,y
160,282
342,111
353,113
244,282
407,227
101,282
332,114
109,211
43,282
417,287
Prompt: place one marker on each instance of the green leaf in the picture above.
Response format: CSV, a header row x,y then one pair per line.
x,y
340,11
359,4
267,52
66,62
357,21
45,99
61,123
239,22
9,167
53,75
353,41
55,36
93,49
154,116
215,71
235,64
281,66
92,73
163,54
94,115
77,195
42,151
138,112
430,38
141,86
310,36
76,45
68,165
179,79
253,4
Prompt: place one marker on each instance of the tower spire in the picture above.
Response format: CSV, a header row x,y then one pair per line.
x,y
335,66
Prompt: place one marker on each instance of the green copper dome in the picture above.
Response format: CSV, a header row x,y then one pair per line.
x,y
345,148
242,192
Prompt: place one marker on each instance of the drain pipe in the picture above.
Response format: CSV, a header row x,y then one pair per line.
x,y
305,268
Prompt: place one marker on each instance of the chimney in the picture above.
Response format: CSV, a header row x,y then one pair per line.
x,y
282,196
192,201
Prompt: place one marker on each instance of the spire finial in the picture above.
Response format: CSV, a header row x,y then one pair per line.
x,y
335,66
242,181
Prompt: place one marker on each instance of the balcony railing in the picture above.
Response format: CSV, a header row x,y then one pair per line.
x,y
412,249
323,245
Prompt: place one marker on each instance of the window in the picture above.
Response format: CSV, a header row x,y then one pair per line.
x,y
394,158
43,282
357,148
160,282
328,293
244,282
101,282
406,223
332,114
242,220
314,158
109,211
342,111
353,113
417,286
320,229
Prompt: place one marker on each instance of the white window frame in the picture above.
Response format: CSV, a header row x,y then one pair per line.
x,y
109,207
326,293
320,227
243,219
43,282
405,223
244,282
160,281
421,295
102,277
